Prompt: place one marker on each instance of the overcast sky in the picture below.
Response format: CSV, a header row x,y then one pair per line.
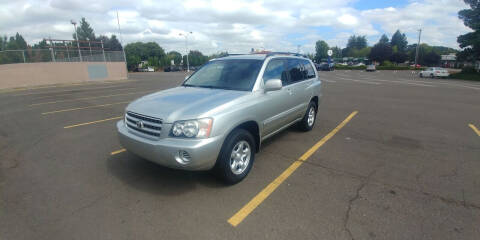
x,y
238,25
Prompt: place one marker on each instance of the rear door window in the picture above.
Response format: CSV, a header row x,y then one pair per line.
x,y
309,71
276,69
296,71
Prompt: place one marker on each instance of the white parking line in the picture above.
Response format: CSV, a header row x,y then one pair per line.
x,y
326,80
359,81
403,82
444,83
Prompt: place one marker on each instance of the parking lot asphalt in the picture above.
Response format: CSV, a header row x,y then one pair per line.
x,y
406,166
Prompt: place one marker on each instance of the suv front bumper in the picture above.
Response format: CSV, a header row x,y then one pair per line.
x,y
203,152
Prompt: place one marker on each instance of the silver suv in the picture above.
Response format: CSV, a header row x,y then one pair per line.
x,y
218,118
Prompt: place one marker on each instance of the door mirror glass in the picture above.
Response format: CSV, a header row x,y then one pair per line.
x,y
273,85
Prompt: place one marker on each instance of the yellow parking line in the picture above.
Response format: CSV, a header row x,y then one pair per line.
x,y
68,94
9,90
81,108
475,129
68,90
93,122
118,151
262,195
87,98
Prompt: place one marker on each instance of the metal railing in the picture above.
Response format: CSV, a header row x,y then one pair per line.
x,y
59,55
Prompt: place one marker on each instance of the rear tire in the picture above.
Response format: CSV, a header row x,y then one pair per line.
x,y
236,156
308,120
421,75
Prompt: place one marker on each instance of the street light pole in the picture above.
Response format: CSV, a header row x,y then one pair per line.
x,y
418,47
186,47
76,36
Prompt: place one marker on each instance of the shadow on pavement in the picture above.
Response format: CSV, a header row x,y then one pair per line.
x,y
147,176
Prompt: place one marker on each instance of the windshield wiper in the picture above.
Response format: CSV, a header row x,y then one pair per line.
x,y
188,85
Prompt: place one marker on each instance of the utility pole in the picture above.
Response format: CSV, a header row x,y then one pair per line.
x,y
76,36
418,47
121,42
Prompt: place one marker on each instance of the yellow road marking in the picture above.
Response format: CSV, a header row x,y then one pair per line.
x,y
262,195
67,94
93,122
475,129
86,98
118,151
81,108
9,90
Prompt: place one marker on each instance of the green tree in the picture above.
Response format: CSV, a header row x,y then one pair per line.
x,y
139,51
431,59
218,55
359,53
321,48
470,42
110,43
398,57
337,52
357,42
383,39
195,58
399,40
380,52
175,56
85,31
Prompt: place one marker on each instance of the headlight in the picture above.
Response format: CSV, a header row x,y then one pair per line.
x,y
198,128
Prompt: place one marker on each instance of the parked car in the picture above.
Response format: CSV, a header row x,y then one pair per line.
x,y
219,117
371,68
434,72
325,67
172,69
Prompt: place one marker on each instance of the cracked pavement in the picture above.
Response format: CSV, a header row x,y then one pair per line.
x,y
407,166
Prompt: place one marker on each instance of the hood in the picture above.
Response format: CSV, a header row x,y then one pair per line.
x,y
183,103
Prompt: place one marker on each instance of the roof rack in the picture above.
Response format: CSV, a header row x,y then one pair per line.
x,y
285,53
266,54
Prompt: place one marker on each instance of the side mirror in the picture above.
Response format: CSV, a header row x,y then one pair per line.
x,y
273,85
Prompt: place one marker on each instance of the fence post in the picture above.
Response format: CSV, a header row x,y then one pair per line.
x,y
53,55
23,53
103,51
68,53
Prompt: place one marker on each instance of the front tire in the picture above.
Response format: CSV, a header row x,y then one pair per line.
x,y
236,156
308,120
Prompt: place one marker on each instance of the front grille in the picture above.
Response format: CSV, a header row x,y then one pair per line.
x,y
144,124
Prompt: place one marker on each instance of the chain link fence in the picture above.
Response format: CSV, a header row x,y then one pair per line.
x,y
59,55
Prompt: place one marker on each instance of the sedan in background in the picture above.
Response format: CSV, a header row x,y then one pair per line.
x,y
434,72
371,68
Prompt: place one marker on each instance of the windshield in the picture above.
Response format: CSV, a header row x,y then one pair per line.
x,y
232,74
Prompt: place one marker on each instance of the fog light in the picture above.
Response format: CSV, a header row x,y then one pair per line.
x,y
183,157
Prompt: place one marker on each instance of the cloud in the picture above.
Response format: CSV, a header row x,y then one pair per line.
x,y
235,25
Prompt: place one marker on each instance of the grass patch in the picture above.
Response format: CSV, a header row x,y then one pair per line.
x,y
466,76
343,67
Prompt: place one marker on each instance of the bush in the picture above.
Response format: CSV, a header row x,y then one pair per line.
x,y
387,63
343,67
469,70
474,76
393,67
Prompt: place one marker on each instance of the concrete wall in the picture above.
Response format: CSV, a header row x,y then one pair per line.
x,y
34,74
